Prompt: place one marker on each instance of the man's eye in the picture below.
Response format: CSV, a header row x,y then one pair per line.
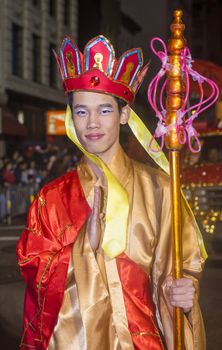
x,y
106,111
80,113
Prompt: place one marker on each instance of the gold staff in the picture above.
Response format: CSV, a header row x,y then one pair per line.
x,y
174,100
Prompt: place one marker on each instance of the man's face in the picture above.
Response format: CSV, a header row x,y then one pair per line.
x,y
97,121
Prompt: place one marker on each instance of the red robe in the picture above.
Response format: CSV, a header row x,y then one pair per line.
x,y
43,254
54,221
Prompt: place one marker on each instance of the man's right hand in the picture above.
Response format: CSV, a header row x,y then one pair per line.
x,y
94,223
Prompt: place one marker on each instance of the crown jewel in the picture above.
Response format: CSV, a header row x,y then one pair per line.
x,y
98,69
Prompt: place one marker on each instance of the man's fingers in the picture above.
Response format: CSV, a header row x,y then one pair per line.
x,y
96,202
182,304
182,290
183,282
181,297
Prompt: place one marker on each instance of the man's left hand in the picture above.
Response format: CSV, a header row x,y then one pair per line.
x,y
180,292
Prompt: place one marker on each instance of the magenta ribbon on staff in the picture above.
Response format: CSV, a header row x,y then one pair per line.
x,y
187,114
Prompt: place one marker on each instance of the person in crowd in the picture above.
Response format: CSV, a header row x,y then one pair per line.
x,y
24,173
8,174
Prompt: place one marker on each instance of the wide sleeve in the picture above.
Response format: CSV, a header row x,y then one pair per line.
x,y
39,254
37,244
54,220
192,267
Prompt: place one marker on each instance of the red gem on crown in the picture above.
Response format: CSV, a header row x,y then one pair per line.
x,y
98,70
94,81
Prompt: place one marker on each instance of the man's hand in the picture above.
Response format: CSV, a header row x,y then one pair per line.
x,y
180,292
93,228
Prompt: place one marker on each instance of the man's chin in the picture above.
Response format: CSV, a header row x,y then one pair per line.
x,y
94,150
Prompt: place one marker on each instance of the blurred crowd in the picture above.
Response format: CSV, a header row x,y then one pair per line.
x,y
36,165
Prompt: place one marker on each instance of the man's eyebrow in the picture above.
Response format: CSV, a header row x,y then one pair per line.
x,y
106,105
79,106
102,105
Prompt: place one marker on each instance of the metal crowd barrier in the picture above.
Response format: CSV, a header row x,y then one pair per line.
x,y
14,201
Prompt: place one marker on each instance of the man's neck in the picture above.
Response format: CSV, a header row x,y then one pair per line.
x,y
97,171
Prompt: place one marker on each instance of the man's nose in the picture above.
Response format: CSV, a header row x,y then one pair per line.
x,y
93,120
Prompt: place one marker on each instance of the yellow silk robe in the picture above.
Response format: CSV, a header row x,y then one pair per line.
x,y
93,315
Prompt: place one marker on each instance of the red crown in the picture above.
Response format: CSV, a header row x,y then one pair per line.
x,y
98,69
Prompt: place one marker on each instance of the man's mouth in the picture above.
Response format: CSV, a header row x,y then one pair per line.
x,y
94,136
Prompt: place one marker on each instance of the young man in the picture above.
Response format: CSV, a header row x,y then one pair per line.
x,y
96,254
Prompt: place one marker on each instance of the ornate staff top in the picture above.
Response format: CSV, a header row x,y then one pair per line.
x,y
175,85
177,41
170,100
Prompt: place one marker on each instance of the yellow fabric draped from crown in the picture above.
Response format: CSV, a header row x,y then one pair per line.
x,y
114,243
144,137
115,235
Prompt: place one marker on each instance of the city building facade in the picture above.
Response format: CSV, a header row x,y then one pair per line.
x,y
30,29
29,83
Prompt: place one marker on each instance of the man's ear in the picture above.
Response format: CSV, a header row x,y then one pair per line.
x,y
125,114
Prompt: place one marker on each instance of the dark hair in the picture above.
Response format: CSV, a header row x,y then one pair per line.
x,y
121,103
69,98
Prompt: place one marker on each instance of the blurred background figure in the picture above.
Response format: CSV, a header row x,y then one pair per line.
x,y
8,175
